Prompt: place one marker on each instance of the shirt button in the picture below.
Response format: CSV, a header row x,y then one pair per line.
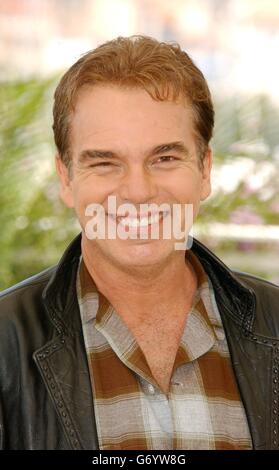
x,y
151,389
219,333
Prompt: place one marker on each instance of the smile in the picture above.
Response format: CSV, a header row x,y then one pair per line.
x,y
139,222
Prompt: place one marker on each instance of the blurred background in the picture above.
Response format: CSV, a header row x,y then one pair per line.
x,y
236,45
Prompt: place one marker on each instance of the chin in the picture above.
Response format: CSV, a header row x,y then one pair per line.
x,y
143,254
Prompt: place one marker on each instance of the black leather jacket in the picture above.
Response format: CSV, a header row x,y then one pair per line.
x,y
45,391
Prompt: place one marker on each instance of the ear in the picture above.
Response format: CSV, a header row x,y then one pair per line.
x,y
206,174
66,190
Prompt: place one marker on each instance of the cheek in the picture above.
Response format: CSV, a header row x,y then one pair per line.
x,y
184,187
86,192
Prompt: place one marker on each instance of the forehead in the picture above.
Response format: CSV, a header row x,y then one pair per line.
x,y
112,112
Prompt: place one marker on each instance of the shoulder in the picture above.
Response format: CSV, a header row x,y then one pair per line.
x,y
29,285
260,286
266,294
23,326
23,298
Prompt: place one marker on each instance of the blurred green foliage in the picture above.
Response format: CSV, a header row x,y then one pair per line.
x,y
246,129
36,227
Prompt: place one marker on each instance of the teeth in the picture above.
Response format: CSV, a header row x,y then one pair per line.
x,y
142,222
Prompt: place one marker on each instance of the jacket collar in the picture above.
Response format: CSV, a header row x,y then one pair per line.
x,y
233,296
59,295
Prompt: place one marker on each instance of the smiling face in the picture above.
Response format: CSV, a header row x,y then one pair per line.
x,y
142,151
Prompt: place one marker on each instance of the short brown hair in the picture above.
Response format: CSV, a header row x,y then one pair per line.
x,y
162,69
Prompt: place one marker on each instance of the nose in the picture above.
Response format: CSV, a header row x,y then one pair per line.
x,y
137,186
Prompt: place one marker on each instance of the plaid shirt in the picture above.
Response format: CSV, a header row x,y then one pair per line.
x,y
203,409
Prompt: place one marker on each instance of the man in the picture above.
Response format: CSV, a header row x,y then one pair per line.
x,y
131,343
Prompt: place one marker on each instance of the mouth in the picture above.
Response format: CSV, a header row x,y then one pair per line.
x,y
141,221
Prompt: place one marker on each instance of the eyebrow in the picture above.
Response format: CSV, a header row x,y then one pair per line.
x,y
177,146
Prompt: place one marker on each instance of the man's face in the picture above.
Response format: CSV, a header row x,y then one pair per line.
x,y
142,151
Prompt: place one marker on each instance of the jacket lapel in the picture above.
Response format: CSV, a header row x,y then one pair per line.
x,y
63,366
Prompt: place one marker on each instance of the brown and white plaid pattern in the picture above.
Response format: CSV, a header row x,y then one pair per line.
x,y
203,409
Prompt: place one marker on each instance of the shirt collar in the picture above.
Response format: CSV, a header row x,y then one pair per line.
x,y
202,323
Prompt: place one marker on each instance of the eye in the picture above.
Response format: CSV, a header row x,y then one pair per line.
x,y
101,164
166,159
